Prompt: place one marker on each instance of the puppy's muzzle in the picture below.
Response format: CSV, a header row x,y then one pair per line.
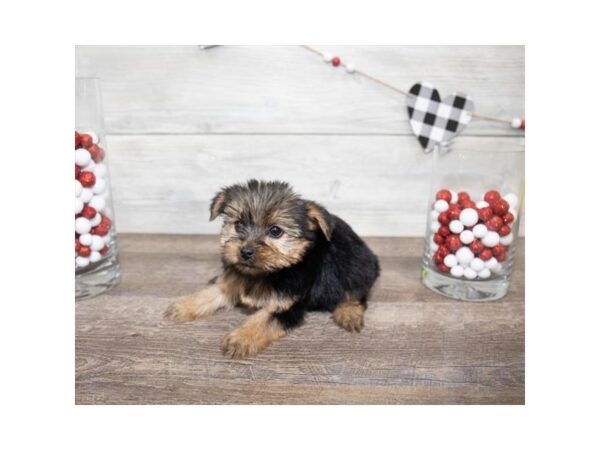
x,y
246,253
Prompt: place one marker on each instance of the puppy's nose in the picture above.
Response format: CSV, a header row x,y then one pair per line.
x,y
246,253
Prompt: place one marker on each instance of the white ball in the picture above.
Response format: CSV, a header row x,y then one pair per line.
x,y
469,217
470,274
440,205
85,239
464,255
466,237
434,215
497,269
454,197
93,135
97,243
86,195
477,264
491,263
515,122
512,200
95,257
99,186
78,188
106,238
96,220
482,204
78,205
435,226
82,157
457,271
480,230
450,260
327,57
484,273
491,239
100,170
456,226
97,202
507,240
82,261
513,212
350,67
82,225
89,167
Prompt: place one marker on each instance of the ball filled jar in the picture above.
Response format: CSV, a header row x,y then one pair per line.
x,y
96,255
473,219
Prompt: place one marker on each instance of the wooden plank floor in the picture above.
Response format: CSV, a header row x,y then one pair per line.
x,y
416,348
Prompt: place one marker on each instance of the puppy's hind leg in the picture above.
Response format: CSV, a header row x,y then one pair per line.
x,y
349,314
199,304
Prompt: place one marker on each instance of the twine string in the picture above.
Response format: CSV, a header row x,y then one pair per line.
x,y
401,91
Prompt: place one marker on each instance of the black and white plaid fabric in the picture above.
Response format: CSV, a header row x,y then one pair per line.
x,y
435,121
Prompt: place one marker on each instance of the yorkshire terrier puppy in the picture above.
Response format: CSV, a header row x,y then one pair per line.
x,y
282,256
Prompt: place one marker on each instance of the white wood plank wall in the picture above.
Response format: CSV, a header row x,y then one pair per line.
x,y
182,122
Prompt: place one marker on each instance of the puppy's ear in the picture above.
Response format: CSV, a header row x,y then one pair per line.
x,y
319,218
217,206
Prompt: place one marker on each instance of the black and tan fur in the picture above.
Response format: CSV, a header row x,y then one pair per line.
x,y
283,256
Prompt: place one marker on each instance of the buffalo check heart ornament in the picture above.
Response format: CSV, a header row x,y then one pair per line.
x,y
433,120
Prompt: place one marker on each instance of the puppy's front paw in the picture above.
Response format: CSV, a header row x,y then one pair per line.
x,y
182,310
239,344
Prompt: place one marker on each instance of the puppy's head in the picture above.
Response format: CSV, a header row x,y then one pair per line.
x,y
266,226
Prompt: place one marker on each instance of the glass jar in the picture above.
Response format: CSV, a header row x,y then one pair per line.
x,y
473,220
96,254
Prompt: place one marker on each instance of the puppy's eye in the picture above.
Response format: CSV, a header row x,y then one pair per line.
x,y
275,231
239,226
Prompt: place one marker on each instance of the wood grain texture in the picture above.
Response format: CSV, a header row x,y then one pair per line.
x,y
286,89
379,184
416,347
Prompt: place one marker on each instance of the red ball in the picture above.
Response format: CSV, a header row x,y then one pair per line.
x,y
438,258
85,251
476,246
443,268
77,140
104,250
99,230
77,171
453,243
485,214
490,196
439,239
77,245
498,250
94,150
500,207
468,204
105,222
101,155
87,179
508,217
336,61
443,194
504,230
463,197
494,223
88,212
86,140
501,257
443,250
485,254
453,212
444,231
443,218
